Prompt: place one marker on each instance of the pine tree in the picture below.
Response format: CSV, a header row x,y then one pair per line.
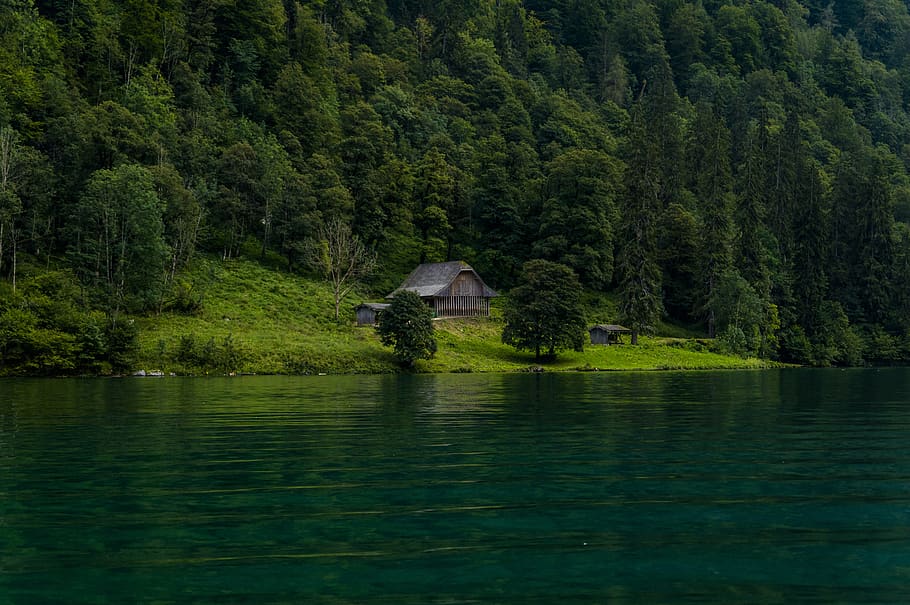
x,y
750,253
638,272
713,188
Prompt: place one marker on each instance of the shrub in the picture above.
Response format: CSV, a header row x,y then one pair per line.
x,y
122,341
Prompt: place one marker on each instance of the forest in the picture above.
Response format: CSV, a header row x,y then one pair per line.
x,y
740,166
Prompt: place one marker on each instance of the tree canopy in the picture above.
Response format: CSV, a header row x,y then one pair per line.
x,y
544,311
407,326
661,150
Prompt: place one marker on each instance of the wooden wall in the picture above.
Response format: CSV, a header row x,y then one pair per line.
x,y
466,284
461,306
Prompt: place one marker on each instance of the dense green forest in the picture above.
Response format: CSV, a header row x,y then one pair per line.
x,y
740,165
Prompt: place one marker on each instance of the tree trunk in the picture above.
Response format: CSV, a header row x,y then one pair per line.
x,y
634,337
15,244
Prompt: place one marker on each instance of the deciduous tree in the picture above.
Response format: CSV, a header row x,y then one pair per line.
x,y
116,236
341,258
407,325
545,312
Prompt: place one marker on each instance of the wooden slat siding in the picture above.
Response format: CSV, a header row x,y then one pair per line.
x,y
466,284
465,295
453,305
366,317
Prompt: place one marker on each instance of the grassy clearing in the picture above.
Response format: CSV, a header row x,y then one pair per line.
x,y
257,320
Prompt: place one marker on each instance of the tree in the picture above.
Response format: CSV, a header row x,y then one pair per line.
x,y
341,258
116,235
638,273
10,205
713,186
503,195
434,196
307,107
545,310
579,212
862,240
678,256
407,325
26,194
182,216
739,313
749,247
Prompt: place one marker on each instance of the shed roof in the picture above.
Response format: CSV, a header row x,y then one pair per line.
x,y
429,279
373,306
610,328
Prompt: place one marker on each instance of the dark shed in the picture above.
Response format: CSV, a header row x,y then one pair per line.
x,y
368,313
451,289
607,334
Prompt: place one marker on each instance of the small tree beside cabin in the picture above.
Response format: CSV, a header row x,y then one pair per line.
x,y
407,325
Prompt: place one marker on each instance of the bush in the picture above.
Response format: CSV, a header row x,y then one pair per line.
x,y
122,344
734,342
186,299
227,357
186,350
795,346
883,347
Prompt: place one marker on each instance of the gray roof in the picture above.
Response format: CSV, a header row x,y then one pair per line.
x,y
609,328
430,279
374,306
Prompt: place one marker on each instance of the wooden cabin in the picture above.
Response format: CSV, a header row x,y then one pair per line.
x,y
451,289
607,334
368,313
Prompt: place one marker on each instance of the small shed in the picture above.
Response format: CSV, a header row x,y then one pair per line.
x,y
368,313
452,289
607,334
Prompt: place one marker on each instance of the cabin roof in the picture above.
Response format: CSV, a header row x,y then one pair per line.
x,y
429,279
610,328
373,306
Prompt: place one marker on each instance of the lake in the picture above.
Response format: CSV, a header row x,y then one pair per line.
x,y
787,486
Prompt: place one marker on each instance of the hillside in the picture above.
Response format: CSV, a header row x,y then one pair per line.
x,y
254,320
737,165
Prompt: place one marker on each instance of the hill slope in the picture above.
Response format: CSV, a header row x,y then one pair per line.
x,y
259,320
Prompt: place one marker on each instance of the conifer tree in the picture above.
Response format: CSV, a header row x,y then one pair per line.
x,y
750,254
713,188
638,272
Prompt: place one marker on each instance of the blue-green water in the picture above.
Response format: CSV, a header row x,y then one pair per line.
x,y
715,487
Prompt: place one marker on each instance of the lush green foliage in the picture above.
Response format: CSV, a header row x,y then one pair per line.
x,y
739,164
407,326
545,311
271,322
46,330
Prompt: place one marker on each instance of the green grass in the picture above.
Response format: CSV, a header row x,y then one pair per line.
x,y
276,323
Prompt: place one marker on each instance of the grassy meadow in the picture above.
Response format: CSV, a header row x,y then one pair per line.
x,y
251,319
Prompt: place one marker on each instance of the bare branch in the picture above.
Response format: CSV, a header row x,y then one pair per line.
x,y
341,258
